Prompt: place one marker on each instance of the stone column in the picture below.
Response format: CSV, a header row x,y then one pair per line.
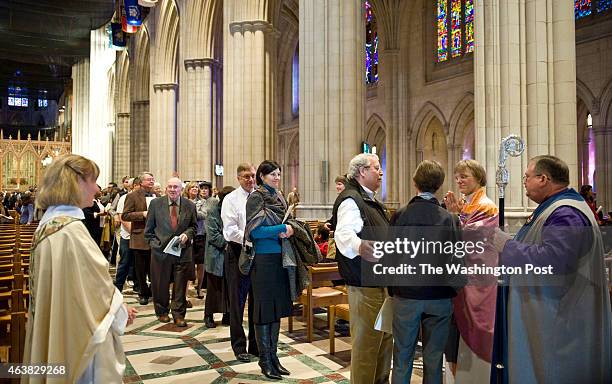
x,y
139,137
80,108
525,83
249,54
162,134
121,158
196,129
390,79
332,101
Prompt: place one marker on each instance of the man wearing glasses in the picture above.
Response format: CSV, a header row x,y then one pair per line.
x,y
559,324
233,215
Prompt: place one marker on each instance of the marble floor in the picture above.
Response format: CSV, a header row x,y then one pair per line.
x,y
163,353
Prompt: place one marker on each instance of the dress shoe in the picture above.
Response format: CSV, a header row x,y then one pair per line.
x,y
209,322
180,322
164,318
225,320
244,357
143,300
189,304
199,294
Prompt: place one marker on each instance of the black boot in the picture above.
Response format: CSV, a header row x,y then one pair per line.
x,y
262,334
274,332
209,322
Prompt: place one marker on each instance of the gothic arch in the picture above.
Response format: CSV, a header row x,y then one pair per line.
x,y
293,163
201,18
585,94
376,132
288,27
422,120
388,15
123,82
140,60
166,42
460,119
606,104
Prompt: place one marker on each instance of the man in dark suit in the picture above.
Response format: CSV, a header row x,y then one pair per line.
x,y
170,216
135,211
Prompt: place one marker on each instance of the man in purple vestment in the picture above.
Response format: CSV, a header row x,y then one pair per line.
x,y
559,324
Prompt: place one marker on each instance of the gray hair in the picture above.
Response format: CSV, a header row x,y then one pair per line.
x,y
142,175
130,182
360,161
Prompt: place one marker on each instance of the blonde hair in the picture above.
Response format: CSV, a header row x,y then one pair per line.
x,y
190,185
60,184
473,166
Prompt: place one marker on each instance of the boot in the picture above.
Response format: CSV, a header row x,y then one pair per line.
x,y
274,332
262,334
209,322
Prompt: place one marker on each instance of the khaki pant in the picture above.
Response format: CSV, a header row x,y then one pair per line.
x,y
371,350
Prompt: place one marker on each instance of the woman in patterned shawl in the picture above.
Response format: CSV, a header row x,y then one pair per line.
x,y
474,305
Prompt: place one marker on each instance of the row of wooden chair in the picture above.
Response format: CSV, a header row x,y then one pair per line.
x,y
15,245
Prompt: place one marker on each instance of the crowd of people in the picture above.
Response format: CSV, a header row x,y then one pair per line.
x,y
244,246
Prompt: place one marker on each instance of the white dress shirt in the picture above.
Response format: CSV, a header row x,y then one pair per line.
x,y
123,232
349,225
233,215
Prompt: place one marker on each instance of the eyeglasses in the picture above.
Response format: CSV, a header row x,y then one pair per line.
x,y
377,169
526,176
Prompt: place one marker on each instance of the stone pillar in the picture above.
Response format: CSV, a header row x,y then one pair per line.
x,y
93,140
525,83
139,137
121,158
195,137
162,134
332,101
80,108
249,56
390,79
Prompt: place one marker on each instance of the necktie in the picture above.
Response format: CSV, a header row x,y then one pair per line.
x,y
173,217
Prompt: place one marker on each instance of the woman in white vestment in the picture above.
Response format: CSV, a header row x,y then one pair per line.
x,y
76,314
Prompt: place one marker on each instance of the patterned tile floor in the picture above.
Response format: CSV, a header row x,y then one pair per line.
x,y
163,353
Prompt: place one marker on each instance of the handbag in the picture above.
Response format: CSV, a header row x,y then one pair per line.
x,y
245,260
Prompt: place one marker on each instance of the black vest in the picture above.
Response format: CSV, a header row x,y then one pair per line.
x,y
374,216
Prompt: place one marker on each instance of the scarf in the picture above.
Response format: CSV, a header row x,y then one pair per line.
x,y
265,206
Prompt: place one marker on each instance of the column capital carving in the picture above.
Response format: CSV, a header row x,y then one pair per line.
x,y
201,63
252,26
165,87
123,114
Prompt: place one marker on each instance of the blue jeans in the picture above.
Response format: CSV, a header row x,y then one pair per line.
x,y
408,315
125,263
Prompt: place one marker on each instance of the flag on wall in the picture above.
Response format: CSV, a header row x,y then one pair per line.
x,y
118,37
132,12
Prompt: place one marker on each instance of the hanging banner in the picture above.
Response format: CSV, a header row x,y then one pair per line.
x,y
147,3
118,37
132,12
125,27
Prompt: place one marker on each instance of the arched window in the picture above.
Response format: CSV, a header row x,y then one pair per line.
x,y
295,82
455,28
371,45
584,8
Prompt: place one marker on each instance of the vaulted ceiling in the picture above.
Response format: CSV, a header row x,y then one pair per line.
x,y
41,39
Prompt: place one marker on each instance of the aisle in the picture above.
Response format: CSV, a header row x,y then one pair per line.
x,y
163,353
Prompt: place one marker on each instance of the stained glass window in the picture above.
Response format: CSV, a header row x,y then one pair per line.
x,y
371,45
582,8
455,28
469,26
295,83
604,5
17,97
442,31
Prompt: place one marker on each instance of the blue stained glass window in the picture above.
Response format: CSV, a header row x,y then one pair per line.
x,y
371,45
17,97
604,5
295,83
582,8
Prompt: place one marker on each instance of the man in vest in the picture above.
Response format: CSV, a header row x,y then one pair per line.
x,y
558,310
360,217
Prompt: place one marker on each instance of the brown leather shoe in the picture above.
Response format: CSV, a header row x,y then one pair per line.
x,y
179,322
164,318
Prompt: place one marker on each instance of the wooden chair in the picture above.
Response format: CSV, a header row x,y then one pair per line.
x,y
13,315
340,311
318,295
